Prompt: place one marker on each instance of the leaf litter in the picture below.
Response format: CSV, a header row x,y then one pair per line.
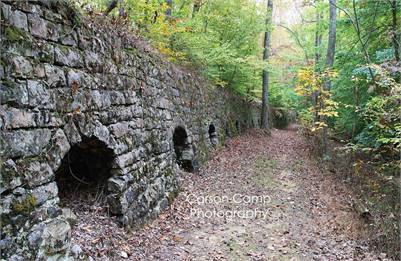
x,y
308,214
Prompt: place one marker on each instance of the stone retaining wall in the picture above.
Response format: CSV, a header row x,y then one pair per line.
x,y
68,82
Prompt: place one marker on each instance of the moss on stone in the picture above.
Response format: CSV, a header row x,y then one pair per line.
x,y
2,62
63,49
18,39
8,178
4,221
14,34
168,172
26,206
8,83
68,9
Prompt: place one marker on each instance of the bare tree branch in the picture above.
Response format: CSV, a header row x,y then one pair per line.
x,y
296,36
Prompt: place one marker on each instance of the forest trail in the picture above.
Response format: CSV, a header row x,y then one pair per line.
x,y
298,212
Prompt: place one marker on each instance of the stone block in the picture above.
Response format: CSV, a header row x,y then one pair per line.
x,y
99,100
93,61
53,31
35,173
60,147
39,96
68,36
127,158
21,67
19,20
38,26
117,98
131,194
35,237
5,11
120,129
56,236
74,79
10,176
67,56
44,193
45,53
118,205
25,142
14,93
18,118
39,71
117,184
24,118
68,215
72,132
54,76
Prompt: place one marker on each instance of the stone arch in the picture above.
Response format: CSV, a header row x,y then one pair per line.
x,y
228,130
83,135
238,126
253,124
184,153
84,171
213,137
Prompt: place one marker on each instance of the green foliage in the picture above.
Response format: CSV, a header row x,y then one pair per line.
x,y
221,38
381,117
14,34
312,83
365,91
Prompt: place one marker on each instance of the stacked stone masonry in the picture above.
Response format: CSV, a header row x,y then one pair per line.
x,y
65,80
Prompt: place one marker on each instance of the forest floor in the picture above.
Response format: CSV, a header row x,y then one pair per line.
x,y
298,212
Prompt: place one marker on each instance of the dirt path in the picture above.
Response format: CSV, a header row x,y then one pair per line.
x,y
260,198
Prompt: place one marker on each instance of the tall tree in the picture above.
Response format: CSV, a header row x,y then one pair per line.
x,y
395,37
113,4
318,38
331,49
396,40
169,6
318,43
196,6
266,55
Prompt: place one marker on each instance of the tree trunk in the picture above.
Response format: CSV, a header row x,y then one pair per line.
x,y
331,48
113,4
196,7
394,25
318,39
318,43
110,6
266,55
363,44
168,10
